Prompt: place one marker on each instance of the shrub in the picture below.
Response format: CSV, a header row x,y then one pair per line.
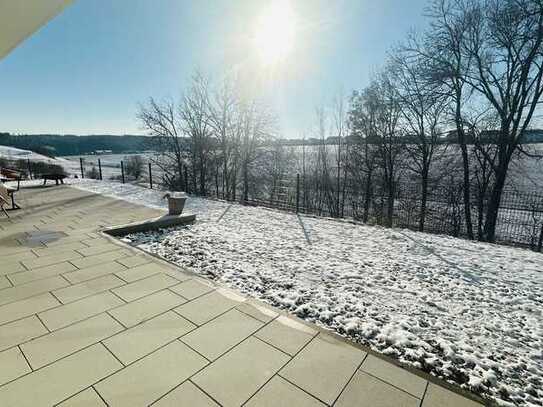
x,y
133,166
93,173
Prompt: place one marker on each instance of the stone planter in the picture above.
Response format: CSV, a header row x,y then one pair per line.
x,y
175,204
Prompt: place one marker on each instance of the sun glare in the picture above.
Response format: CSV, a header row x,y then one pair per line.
x,y
274,35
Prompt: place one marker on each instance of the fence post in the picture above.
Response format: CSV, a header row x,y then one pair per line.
x,y
122,171
540,243
100,169
297,193
81,165
186,179
29,168
150,177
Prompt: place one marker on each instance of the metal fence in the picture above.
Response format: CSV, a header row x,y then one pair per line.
x,y
520,217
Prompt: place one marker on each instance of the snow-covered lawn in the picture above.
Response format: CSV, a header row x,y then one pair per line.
x,y
467,312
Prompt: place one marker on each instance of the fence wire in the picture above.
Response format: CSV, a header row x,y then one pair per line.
x,y
520,215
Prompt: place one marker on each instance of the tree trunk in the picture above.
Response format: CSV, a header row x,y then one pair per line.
x,y
367,198
245,181
424,199
466,180
225,185
480,215
494,202
465,162
390,203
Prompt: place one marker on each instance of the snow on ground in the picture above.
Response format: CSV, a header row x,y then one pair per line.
x,y
465,311
12,153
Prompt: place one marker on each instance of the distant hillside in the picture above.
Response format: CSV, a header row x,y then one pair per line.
x,y
59,145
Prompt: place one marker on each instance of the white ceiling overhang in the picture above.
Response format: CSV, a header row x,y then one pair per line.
x,y
21,18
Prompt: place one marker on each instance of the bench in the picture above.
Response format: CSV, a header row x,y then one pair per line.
x,y
8,194
54,177
7,175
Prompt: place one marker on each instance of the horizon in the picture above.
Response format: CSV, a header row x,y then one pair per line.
x,y
108,60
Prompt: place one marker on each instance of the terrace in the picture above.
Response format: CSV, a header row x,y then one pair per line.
x,y
87,319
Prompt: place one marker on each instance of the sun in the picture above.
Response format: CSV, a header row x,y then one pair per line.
x,y
275,31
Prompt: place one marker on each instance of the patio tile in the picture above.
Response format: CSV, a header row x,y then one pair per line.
x,y
138,311
286,334
145,338
176,273
367,391
27,290
100,258
192,288
394,375
222,333
79,310
89,287
186,395
9,249
98,249
47,251
134,261
233,378
139,272
19,256
13,365
20,331
66,240
263,314
207,307
93,272
151,377
87,398
4,282
26,307
280,393
437,396
52,259
42,272
51,347
60,380
324,367
96,241
10,268
140,288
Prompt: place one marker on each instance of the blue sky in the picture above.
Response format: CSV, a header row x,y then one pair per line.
x,y
86,71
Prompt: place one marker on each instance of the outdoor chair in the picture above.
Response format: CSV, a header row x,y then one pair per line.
x,y
4,198
7,175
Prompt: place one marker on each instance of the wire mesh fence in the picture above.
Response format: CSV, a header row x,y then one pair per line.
x,y
520,216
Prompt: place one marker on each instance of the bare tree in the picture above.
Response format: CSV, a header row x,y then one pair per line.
x,y
194,115
379,118
134,166
223,113
422,106
340,124
390,147
255,125
362,157
161,120
447,65
505,41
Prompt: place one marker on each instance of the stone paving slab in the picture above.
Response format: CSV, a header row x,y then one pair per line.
x,y
87,398
85,320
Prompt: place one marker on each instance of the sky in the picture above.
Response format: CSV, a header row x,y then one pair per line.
x,y
88,69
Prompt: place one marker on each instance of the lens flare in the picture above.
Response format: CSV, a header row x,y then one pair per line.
x,y
275,32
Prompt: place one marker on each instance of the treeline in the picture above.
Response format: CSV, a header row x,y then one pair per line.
x,y
53,145
531,136
476,76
